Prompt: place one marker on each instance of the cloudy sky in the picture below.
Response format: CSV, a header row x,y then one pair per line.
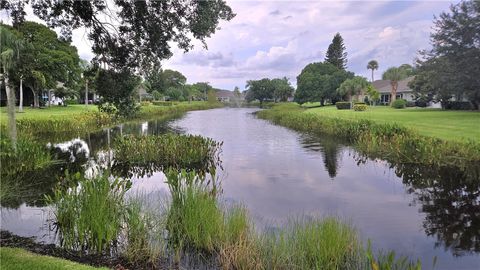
x,y
278,38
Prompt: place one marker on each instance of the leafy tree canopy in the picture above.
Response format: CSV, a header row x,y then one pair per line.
x,y
451,68
282,89
129,34
319,82
353,87
260,90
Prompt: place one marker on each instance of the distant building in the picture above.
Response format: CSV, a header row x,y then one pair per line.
x,y
225,95
403,91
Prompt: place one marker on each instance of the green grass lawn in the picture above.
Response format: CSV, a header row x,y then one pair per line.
x,y
51,112
448,125
15,258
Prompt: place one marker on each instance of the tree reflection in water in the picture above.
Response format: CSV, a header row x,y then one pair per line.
x,y
329,147
450,198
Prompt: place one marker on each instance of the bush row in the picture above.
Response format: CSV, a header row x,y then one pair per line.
x,y
457,105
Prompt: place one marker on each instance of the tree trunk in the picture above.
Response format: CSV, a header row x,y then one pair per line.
x,y
20,105
372,75
394,92
12,125
49,94
36,102
86,92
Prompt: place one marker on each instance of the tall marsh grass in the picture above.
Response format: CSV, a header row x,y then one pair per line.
x,y
393,142
89,216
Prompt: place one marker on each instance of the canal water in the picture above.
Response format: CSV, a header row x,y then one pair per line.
x,y
281,175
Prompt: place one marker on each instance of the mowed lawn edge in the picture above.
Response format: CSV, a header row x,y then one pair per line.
x,y
460,126
16,258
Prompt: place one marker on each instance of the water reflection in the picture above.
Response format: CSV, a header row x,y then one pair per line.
x,y
451,202
330,149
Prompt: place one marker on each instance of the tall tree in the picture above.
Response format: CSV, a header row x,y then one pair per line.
x,y
394,75
10,45
173,78
282,89
455,54
259,90
89,72
336,54
318,82
49,60
142,32
373,65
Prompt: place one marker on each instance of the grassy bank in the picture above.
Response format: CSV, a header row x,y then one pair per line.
x,y
81,118
446,125
15,258
391,141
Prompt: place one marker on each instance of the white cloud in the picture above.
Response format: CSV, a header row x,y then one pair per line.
x,y
278,38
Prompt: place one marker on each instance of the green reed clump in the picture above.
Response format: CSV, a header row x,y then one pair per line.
x,y
388,141
89,216
22,169
167,151
390,261
312,244
145,225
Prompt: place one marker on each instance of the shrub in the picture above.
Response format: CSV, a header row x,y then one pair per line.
x,y
410,104
162,103
457,105
156,95
146,103
399,104
360,107
108,108
341,105
71,101
421,103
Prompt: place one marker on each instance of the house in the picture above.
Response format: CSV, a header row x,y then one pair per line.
x,y
224,95
403,91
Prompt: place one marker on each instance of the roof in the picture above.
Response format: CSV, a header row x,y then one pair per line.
x,y
383,86
224,93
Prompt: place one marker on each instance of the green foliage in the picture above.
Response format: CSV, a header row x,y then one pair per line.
x,y
282,89
144,235
156,95
145,103
174,93
313,244
118,88
373,93
389,141
450,69
90,215
360,107
389,261
336,54
318,82
23,168
134,42
457,105
260,90
212,97
353,87
373,65
48,60
399,104
343,105
144,153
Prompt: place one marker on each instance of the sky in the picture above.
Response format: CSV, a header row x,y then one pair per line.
x,y
269,39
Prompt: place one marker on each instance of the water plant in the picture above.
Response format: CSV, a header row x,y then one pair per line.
x,y
144,154
89,215
389,141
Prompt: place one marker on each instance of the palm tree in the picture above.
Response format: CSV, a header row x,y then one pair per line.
x,y
9,53
394,75
373,65
353,87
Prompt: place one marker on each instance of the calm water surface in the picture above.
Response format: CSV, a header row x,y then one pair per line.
x,y
281,175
